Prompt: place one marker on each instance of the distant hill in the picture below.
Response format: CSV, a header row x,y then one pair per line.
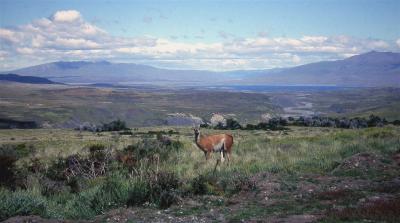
x,y
373,69
116,73
25,79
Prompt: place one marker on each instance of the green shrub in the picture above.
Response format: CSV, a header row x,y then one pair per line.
x,y
21,202
112,194
81,205
199,185
222,182
8,157
237,182
139,193
116,125
56,169
157,188
98,152
149,148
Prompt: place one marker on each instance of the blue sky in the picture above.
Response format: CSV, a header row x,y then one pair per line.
x,y
216,35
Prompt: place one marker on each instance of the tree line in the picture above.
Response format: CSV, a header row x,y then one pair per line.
x,y
281,123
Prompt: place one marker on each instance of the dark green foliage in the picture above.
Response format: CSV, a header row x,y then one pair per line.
x,y
50,187
159,188
8,157
21,202
149,148
57,169
232,124
9,154
14,124
199,185
374,121
274,124
223,182
126,132
116,125
97,152
139,193
317,121
163,188
234,182
77,184
162,132
204,125
24,150
113,193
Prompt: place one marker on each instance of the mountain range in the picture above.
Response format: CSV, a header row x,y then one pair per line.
x,y
372,69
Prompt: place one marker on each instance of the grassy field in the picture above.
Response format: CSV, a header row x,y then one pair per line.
x,y
297,175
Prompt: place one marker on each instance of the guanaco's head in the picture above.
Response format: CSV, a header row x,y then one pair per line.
x,y
196,133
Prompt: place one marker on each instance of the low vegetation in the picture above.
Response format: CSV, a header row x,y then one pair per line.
x,y
280,123
116,125
273,173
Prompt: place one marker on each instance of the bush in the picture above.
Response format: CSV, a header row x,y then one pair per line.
x,y
8,157
151,148
163,188
139,193
96,164
230,124
112,194
81,205
223,182
21,202
237,182
116,125
199,185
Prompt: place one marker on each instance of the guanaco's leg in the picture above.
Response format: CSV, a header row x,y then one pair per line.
x,y
228,156
216,165
208,155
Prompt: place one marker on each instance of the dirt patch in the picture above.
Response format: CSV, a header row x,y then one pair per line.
x,y
362,162
396,158
373,208
36,219
305,218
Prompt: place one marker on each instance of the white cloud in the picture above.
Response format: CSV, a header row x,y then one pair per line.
x,y
66,16
8,35
314,39
67,36
25,50
71,43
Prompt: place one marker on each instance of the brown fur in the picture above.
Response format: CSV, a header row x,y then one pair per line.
x,y
207,143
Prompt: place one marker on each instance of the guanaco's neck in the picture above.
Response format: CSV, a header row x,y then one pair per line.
x,y
197,139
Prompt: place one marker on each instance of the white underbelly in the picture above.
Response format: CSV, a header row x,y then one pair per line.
x,y
218,146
